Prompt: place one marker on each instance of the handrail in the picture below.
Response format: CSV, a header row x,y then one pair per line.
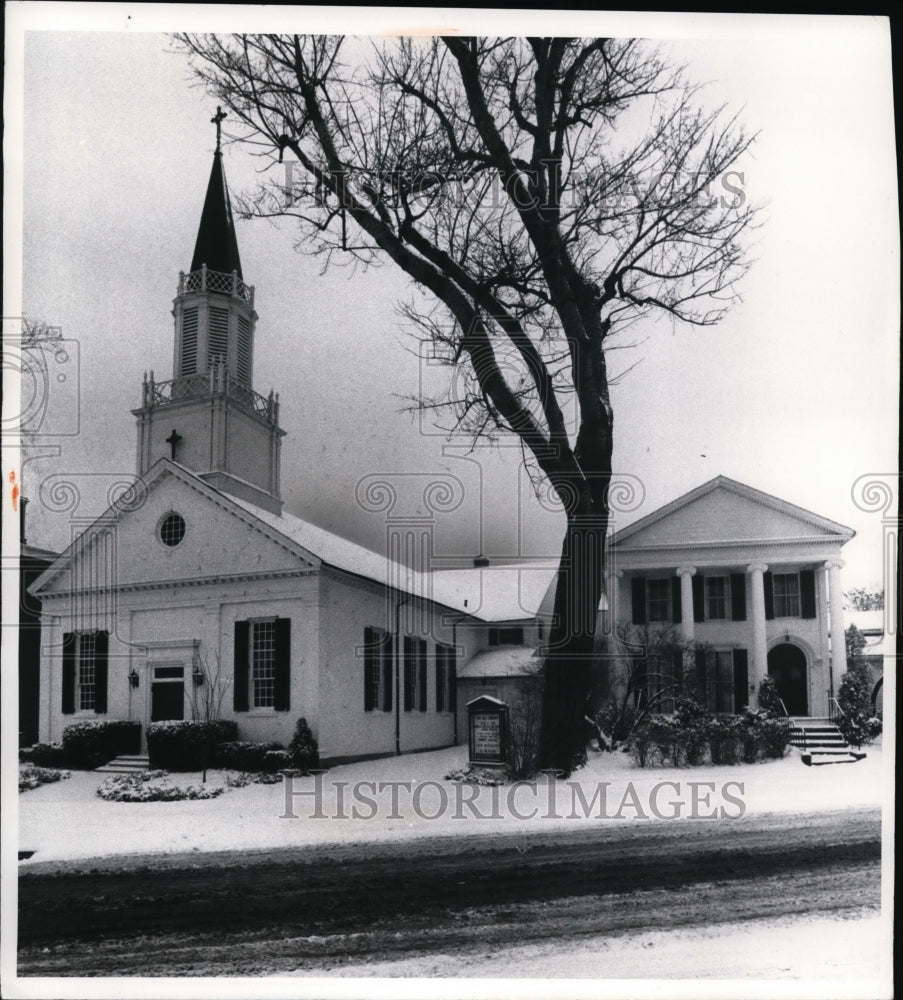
x,y
784,708
834,709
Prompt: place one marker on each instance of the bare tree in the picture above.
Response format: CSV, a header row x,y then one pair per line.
x,y
545,195
208,691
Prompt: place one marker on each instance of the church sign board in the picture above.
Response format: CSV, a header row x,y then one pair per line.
x,y
488,728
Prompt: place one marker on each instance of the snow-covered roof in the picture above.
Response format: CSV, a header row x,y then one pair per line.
x,y
866,621
504,661
492,594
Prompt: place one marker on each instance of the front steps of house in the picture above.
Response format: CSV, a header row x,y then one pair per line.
x,y
821,742
125,764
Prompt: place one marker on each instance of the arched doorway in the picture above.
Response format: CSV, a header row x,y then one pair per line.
x,y
787,666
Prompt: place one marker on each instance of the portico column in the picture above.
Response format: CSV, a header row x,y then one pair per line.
x,y
686,601
838,638
760,643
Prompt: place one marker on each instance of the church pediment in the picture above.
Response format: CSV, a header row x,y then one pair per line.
x,y
176,531
725,512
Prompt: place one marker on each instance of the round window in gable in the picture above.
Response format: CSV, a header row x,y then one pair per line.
x,y
172,529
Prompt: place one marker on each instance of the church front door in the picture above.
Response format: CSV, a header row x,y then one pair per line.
x,y
168,694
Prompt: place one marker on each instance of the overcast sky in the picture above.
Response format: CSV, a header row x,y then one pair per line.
x,y
795,392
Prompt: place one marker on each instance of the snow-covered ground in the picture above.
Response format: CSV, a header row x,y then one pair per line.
x,y
402,797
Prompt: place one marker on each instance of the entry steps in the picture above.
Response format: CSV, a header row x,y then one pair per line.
x,y
125,764
821,742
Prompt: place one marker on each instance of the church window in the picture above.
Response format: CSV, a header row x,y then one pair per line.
x,y
85,672
414,674
263,660
172,529
262,664
377,670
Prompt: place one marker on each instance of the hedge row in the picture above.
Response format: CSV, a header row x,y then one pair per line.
x,y
692,737
86,745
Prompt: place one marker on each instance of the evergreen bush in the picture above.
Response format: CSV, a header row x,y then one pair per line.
x,y
303,747
89,744
186,745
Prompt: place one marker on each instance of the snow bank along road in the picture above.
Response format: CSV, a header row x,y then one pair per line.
x,y
316,909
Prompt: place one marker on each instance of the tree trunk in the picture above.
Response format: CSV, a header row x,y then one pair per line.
x,y
568,660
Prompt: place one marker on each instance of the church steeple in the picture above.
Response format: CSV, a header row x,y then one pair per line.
x,y
216,245
208,417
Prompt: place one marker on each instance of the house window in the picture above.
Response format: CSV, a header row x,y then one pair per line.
x,y
721,679
508,636
377,670
262,664
414,674
717,598
446,675
658,600
786,595
85,672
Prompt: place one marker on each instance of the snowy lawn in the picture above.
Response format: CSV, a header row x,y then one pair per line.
x,y
403,797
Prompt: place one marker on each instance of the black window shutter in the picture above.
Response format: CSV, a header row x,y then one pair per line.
x,y
741,680
440,677
807,593
408,674
738,597
421,670
240,659
388,671
675,600
101,659
638,595
283,656
370,666
768,582
68,673
699,598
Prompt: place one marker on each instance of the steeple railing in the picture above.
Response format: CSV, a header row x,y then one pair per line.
x,y
215,382
205,280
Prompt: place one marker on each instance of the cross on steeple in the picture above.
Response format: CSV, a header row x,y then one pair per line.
x,y
217,120
172,441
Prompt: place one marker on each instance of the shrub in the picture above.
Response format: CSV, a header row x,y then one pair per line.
x,y
151,786
523,735
724,741
769,700
244,778
691,722
187,745
477,776
44,755
775,737
640,746
303,747
244,755
616,722
857,722
277,760
89,744
32,777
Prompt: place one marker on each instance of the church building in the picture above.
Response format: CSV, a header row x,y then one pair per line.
x,y
197,581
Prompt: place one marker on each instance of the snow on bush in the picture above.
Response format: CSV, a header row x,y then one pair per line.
x,y
33,777
476,776
151,786
244,778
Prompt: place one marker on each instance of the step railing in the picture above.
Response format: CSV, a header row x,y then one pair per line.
x,y
835,712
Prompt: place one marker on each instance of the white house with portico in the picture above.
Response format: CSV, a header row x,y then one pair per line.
x,y
752,580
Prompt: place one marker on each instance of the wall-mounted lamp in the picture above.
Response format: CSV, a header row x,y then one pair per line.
x,y
133,678
197,676
786,637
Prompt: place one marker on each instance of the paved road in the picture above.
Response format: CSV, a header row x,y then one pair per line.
x,y
310,910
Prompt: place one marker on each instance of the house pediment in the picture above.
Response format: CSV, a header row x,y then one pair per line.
x,y
126,547
725,513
